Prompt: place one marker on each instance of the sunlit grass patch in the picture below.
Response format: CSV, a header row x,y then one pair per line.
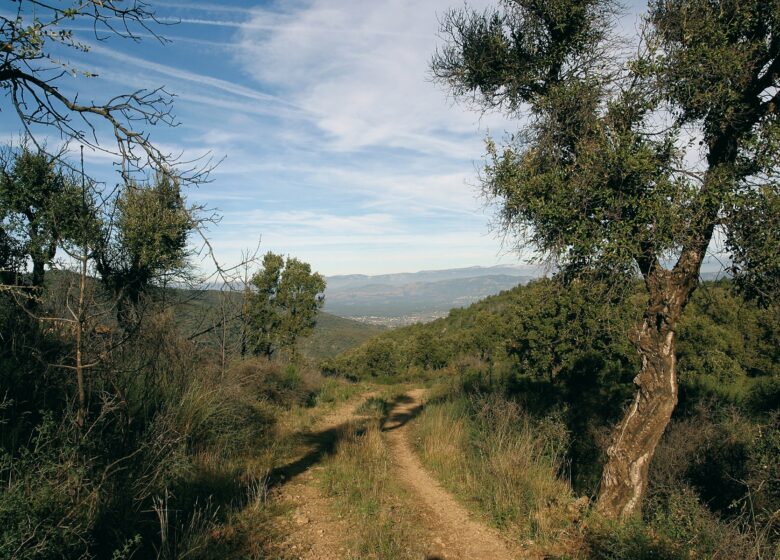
x,y
500,462
359,476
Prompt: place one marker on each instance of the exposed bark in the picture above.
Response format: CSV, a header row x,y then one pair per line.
x,y
625,475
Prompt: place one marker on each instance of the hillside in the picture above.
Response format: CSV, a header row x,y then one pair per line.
x,y
406,298
333,335
199,313
551,368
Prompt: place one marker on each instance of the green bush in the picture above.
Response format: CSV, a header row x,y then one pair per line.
x,y
48,507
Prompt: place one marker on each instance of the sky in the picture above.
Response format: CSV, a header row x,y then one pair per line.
x,y
338,148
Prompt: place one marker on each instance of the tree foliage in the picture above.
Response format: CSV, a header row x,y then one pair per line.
x,y
629,163
145,242
600,176
283,303
41,208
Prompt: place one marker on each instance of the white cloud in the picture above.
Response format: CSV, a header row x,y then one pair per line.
x,y
362,68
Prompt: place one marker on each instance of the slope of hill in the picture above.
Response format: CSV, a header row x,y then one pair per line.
x,y
333,335
394,299
200,313
556,362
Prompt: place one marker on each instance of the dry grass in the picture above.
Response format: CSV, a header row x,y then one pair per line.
x,y
489,453
358,475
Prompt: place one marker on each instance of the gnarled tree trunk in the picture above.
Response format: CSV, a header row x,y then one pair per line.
x,y
635,438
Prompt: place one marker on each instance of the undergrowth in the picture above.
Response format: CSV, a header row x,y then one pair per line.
x,y
501,462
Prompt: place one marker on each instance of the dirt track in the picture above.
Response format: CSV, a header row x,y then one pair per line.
x,y
454,533
449,531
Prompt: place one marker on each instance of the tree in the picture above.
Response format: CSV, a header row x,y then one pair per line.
x,y
145,241
629,164
33,69
40,205
283,303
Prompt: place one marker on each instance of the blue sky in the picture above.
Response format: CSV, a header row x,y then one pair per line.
x,y
338,148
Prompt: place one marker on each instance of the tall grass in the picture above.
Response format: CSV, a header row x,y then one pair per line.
x,y
500,461
506,464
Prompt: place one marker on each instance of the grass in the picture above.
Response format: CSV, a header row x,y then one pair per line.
x,y
358,476
501,463
266,408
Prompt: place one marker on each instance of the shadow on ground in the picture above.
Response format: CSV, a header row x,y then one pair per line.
x,y
401,412
322,443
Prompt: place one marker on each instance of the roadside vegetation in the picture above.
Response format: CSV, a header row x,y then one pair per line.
x,y
529,384
122,435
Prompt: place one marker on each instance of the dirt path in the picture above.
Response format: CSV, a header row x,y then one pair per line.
x,y
454,533
315,532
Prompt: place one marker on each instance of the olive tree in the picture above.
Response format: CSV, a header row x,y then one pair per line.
x,y
629,161
144,243
40,205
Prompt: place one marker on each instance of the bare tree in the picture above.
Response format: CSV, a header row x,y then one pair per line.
x,y
32,79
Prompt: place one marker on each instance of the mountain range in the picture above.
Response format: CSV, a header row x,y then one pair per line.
x,y
394,299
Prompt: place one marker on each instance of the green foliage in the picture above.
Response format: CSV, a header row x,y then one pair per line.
x,y
48,503
561,352
511,55
604,178
592,179
41,207
333,335
153,224
754,246
283,304
539,330
145,244
167,437
621,541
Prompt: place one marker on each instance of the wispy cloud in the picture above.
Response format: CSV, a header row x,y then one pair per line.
x,y
218,84
362,68
339,148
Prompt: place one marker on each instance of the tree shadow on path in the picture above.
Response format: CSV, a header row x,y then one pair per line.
x,y
402,410
320,444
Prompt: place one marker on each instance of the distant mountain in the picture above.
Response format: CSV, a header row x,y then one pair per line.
x,y
337,283
418,296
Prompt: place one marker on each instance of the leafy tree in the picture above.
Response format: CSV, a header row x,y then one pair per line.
x,y
630,164
754,244
146,241
40,207
283,303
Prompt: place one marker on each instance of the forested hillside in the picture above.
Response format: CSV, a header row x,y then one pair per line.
x,y
201,313
558,360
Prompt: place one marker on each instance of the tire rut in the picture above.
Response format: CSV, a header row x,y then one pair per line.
x,y
454,533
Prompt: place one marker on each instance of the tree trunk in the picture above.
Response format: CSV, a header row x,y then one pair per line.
x,y
634,440
80,324
38,273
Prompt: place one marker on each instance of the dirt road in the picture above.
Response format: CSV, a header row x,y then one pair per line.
x,y
449,531
454,533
